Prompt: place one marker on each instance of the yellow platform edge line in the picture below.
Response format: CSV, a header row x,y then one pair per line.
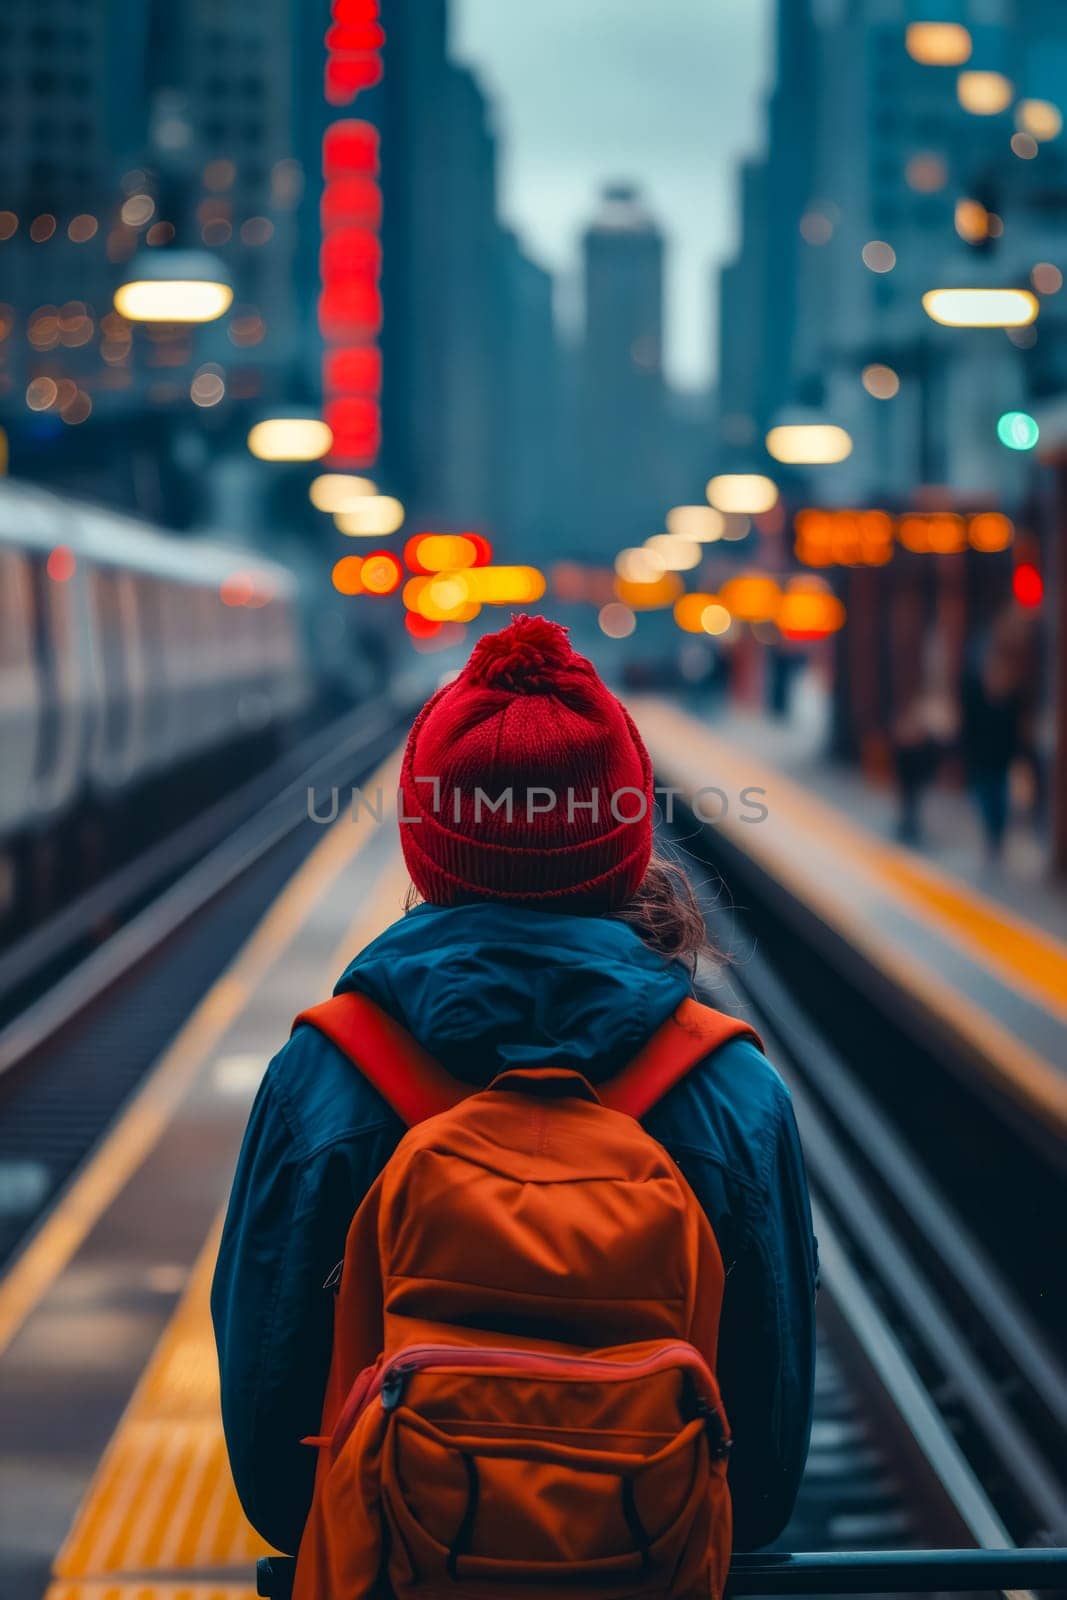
x,y
1029,957
1033,961
140,1126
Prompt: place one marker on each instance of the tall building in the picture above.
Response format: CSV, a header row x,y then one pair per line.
x,y
878,183
621,406
743,340
460,300
464,274
56,146
237,95
58,188
758,289
905,159
414,103
528,494
130,127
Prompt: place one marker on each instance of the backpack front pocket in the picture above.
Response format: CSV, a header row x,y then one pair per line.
x,y
571,1471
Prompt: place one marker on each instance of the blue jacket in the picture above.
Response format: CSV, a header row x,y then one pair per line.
x,y
483,986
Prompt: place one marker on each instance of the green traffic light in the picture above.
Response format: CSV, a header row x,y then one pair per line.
x,y
1018,430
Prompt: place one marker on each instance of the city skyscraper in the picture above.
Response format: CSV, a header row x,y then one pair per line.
x,y
900,160
463,273
140,128
469,341
621,404
528,494
757,290
884,176
459,423
58,136
216,143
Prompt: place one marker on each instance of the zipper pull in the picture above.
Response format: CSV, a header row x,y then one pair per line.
x,y
392,1390
721,1443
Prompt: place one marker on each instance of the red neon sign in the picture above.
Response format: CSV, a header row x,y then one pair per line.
x,y
351,253
355,10
351,200
355,369
347,75
349,312
355,422
349,147
349,36
350,261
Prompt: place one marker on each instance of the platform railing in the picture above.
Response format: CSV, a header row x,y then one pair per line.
x,y
841,1572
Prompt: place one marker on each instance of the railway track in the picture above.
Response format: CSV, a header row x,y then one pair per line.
x,y
71,1056
941,1414
41,956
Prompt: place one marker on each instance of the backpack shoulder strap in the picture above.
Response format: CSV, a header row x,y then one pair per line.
x,y
408,1079
692,1033
417,1087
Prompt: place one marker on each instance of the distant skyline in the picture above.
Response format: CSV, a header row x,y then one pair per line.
x,y
670,95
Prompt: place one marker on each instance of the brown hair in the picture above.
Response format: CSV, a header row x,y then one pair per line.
x,y
663,912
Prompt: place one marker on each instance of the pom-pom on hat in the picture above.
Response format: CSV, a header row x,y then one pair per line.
x,y
525,779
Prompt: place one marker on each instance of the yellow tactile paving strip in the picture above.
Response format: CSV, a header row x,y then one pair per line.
x,y
137,1589
804,832
162,1500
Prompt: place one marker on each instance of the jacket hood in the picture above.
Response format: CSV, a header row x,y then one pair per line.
x,y
486,986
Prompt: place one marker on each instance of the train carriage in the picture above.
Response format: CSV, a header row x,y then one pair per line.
x,y
125,656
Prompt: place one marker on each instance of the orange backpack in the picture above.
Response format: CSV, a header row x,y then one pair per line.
x,y
541,1415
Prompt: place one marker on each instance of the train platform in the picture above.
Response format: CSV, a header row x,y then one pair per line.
x,y
951,834
114,1483
983,973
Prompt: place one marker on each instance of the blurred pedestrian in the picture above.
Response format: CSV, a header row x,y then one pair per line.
x,y
921,736
997,704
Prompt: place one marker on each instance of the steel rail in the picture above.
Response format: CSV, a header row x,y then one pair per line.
x,y
228,861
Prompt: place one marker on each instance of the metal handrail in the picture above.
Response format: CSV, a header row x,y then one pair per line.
x,y
897,1571
839,1572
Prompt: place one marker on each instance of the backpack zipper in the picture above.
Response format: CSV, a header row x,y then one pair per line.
x,y
389,1383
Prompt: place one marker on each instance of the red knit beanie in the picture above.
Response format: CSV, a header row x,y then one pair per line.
x,y
526,779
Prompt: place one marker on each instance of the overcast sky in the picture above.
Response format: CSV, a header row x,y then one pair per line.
x,y
668,92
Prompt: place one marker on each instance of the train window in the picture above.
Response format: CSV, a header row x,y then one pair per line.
x,y
150,624
151,627
47,621
16,602
176,654
112,625
207,604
